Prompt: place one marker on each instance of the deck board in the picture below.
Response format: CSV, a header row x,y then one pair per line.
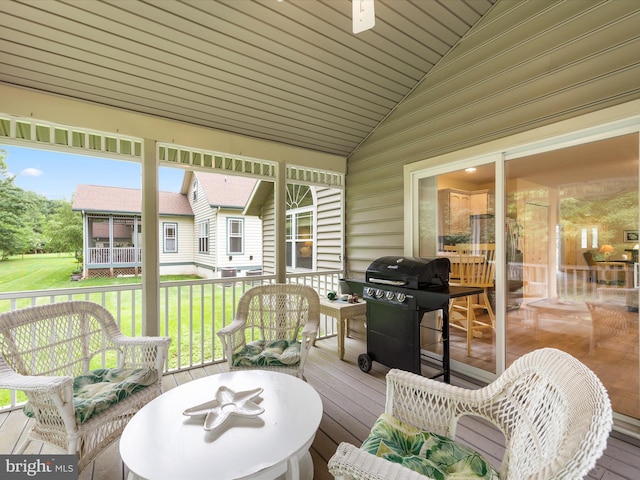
x,y
352,400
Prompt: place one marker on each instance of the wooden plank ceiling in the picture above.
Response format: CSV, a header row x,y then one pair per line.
x,y
287,71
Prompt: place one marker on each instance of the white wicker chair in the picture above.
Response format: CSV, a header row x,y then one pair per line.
x,y
274,312
43,348
553,411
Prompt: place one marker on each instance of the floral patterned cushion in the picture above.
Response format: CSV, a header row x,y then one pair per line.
x,y
97,390
429,454
273,353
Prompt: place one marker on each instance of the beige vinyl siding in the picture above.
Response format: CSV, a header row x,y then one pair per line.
x,y
524,65
329,222
202,212
329,229
252,242
182,260
268,237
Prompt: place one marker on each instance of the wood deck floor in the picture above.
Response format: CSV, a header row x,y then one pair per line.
x,y
352,400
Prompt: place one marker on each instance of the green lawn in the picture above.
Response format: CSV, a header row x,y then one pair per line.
x,y
35,272
189,310
51,271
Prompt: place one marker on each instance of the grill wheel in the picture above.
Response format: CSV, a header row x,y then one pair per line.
x,y
364,362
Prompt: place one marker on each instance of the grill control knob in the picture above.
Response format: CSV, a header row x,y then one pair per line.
x,y
401,297
390,295
369,291
379,293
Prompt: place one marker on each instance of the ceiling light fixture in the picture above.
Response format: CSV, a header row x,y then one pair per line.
x,y
364,16
470,169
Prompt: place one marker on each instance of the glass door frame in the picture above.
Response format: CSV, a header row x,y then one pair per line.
x,y
588,128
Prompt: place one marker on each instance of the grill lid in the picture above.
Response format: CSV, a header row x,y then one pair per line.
x,y
410,272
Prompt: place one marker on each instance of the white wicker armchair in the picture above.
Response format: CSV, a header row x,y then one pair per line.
x,y
270,313
42,350
553,411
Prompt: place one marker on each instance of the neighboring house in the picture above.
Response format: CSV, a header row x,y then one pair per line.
x,y
226,242
314,234
202,229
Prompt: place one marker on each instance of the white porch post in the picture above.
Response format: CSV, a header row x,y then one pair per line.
x,y
150,241
280,222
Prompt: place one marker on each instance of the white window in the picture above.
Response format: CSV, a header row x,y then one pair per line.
x,y
235,236
170,237
203,237
300,233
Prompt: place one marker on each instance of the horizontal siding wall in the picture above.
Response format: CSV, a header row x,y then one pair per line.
x,y
251,258
183,258
329,223
525,65
269,237
329,229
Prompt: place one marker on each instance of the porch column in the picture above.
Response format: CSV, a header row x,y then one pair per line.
x,y
280,204
150,241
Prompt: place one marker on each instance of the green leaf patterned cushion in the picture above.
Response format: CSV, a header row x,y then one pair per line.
x,y
274,353
97,390
427,453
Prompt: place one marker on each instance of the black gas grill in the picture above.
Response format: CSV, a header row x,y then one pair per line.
x,y
410,273
398,291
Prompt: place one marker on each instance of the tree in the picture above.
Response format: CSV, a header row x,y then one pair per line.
x,y
30,223
64,229
37,210
12,212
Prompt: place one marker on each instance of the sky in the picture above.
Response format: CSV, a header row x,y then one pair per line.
x,y
55,175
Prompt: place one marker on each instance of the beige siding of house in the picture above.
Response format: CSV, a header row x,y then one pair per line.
x,y
205,262
268,237
329,229
251,258
525,65
181,262
329,220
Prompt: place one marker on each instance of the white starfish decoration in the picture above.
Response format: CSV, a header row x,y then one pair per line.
x,y
226,404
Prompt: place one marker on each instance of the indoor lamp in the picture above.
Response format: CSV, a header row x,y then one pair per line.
x,y
607,250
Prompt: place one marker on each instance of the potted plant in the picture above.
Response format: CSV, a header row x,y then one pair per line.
x,y
76,273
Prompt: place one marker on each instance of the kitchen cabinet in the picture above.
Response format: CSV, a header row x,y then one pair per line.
x,y
456,207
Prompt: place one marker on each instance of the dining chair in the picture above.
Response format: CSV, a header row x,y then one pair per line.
x,y
450,251
274,327
593,266
476,268
553,411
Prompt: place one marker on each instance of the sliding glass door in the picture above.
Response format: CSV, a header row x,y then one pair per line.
x,y
457,221
556,226
575,211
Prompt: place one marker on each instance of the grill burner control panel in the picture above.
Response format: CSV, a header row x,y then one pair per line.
x,y
373,293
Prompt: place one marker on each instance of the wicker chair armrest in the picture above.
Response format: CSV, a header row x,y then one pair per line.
x,y
352,463
233,327
32,383
143,352
142,342
233,336
432,405
310,331
54,395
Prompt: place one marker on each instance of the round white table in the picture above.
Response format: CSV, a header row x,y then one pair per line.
x,y
161,443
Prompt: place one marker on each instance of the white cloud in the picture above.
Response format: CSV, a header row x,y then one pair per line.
x,y
31,172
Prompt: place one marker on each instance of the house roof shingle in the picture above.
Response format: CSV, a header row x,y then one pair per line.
x,y
95,198
227,191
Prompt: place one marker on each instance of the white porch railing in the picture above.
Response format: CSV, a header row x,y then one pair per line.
x,y
191,312
114,255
